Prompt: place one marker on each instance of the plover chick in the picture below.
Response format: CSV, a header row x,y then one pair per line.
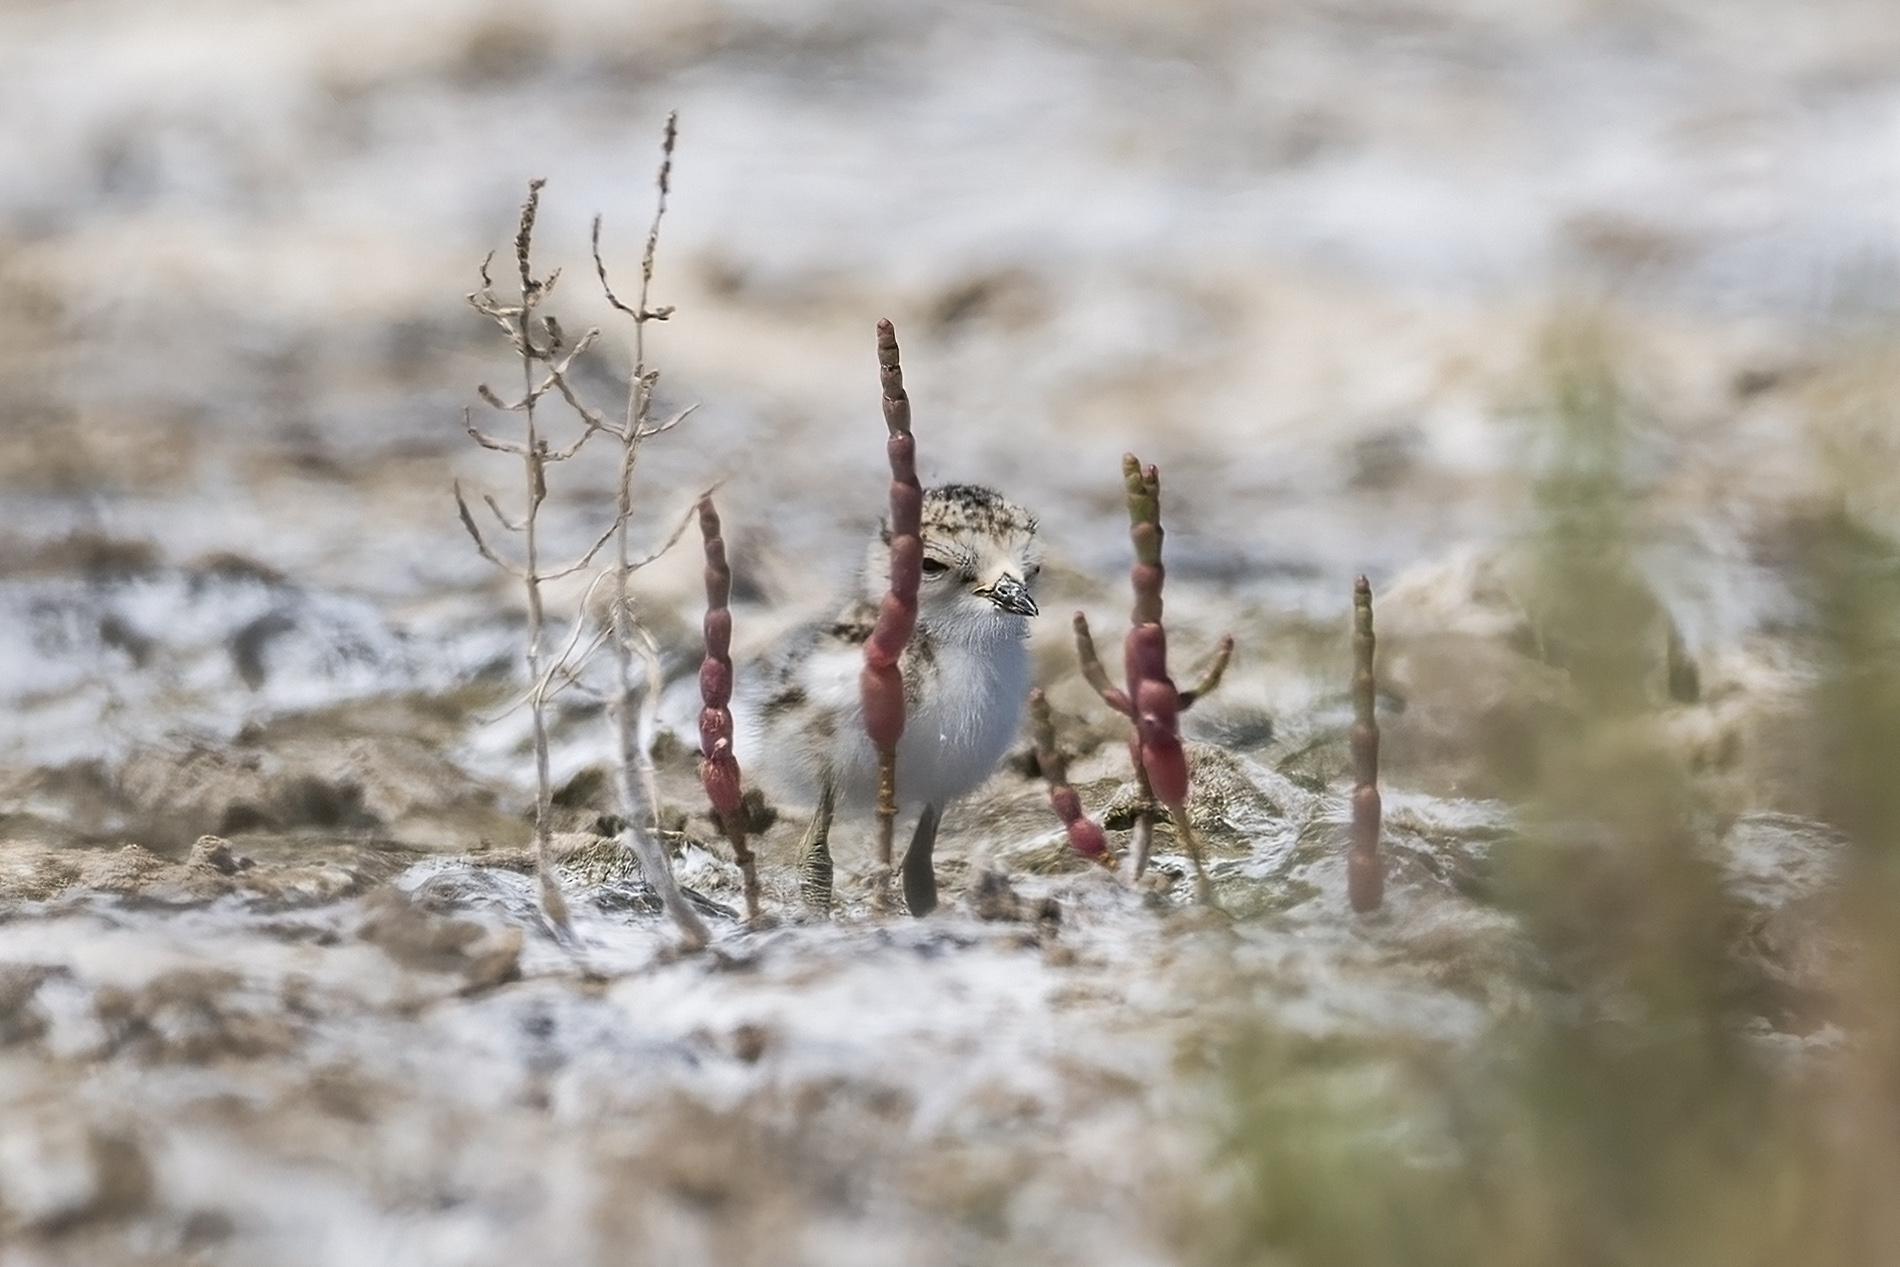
x,y
798,720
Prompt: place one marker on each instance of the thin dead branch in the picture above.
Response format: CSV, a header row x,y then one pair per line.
x,y
585,559
534,339
634,774
595,421
670,423
501,516
633,771
475,534
487,441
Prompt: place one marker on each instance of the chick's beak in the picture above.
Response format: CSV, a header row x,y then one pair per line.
x,y
1011,595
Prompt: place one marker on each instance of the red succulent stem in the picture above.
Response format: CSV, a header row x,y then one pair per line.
x,y
718,765
1085,835
881,684
1096,675
1151,700
1159,758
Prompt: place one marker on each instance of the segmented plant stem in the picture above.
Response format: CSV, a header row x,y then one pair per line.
x,y
1365,870
1157,704
881,683
718,763
1085,835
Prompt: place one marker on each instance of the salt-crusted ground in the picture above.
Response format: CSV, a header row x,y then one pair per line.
x,y
272,989
297,1050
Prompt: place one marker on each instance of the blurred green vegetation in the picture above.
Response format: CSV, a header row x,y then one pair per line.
x,y
1624,1110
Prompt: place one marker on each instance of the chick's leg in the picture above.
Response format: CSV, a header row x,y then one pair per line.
x,y
920,876
814,857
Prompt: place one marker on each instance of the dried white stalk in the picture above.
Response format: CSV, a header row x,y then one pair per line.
x,y
536,339
635,701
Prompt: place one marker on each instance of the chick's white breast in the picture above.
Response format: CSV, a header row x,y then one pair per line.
x,y
798,722
961,728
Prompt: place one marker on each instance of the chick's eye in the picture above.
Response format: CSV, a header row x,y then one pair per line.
x,y
934,568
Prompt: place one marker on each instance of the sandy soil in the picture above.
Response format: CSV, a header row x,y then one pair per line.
x,y
273,988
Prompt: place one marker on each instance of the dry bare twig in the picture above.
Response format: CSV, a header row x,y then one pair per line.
x,y
633,771
536,339
539,340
